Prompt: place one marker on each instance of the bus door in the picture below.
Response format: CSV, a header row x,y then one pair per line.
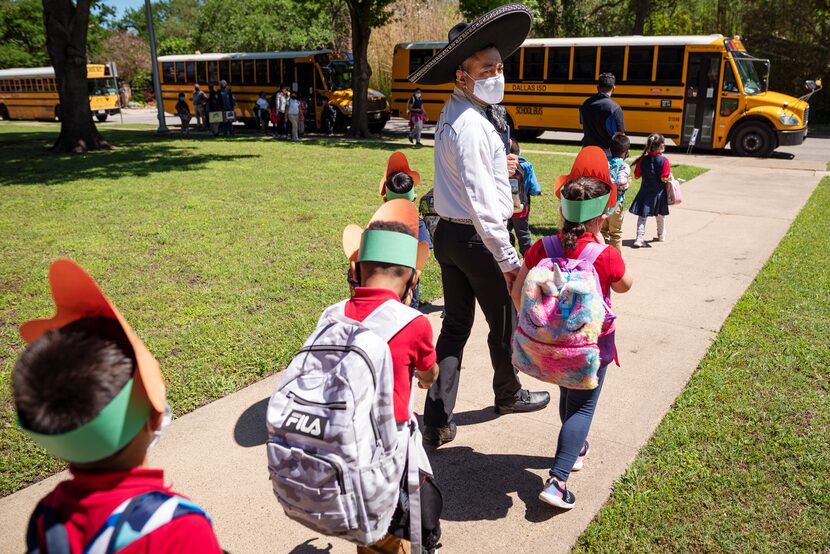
x,y
701,98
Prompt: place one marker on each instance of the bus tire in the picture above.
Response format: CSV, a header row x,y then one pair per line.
x,y
4,112
376,128
753,138
101,117
58,112
529,135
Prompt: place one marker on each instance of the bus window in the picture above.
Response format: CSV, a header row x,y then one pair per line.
x,y
190,71
248,76
534,64
611,60
236,72
559,64
585,63
288,73
670,63
261,72
640,63
224,70
168,72
511,66
180,73
213,72
418,57
729,83
275,73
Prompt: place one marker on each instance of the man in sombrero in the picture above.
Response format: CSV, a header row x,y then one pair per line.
x,y
473,198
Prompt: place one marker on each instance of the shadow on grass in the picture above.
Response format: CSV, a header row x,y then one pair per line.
x,y
543,229
477,487
26,160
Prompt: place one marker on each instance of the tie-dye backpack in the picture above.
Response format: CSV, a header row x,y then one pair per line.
x,y
563,313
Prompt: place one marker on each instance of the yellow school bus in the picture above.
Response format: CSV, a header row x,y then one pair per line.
x,y
31,93
315,76
704,91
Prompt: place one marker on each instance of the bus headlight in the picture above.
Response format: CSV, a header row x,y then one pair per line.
x,y
788,120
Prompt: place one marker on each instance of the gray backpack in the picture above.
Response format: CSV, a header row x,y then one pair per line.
x,y
335,453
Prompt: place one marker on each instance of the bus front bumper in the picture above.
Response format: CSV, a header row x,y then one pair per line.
x,y
792,138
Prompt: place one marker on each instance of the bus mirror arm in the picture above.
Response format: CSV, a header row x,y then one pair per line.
x,y
814,86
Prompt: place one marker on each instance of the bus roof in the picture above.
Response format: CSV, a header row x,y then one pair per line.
x,y
241,56
678,40
26,72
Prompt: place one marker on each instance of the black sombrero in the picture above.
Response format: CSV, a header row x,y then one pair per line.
x,y
506,28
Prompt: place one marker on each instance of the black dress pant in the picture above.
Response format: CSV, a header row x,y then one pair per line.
x,y
469,273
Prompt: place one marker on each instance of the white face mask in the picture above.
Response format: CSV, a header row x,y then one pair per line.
x,y
165,422
490,90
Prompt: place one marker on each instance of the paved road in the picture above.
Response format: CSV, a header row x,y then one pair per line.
x,y
491,475
815,149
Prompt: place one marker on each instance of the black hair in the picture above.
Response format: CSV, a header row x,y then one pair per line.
x,y
653,144
67,376
400,182
417,89
581,188
514,146
620,144
606,81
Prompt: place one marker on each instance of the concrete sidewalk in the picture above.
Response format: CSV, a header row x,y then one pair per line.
x,y
731,220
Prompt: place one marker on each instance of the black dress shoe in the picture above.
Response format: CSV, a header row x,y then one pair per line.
x,y
525,401
436,436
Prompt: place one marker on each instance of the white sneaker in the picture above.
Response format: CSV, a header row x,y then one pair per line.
x,y
639,243
660,238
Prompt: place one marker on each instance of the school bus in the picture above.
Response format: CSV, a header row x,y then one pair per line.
x,y
31,93
316,76
703,91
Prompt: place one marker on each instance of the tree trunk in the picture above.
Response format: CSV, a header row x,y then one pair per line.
x,y
641,8
361,31
66,31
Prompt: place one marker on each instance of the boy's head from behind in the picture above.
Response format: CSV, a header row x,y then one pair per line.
x,y
86,388
399,184
620,145
514,147
398,181
398,278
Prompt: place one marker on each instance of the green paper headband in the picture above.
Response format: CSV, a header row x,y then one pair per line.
x,y
407,195
110,431
388,247
579,211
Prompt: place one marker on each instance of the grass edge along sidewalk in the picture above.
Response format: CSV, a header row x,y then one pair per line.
x,y
740,463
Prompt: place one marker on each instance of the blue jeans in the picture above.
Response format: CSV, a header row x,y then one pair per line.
x,y
576,411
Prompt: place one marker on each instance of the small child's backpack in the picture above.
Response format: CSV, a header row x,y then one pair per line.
x,y
427,210
335,453
562,315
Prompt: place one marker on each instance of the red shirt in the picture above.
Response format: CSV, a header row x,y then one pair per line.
x,y
411,348
87,500
609,265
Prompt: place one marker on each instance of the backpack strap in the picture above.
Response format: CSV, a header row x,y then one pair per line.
x,y
553,246
54,532
590,254
390,318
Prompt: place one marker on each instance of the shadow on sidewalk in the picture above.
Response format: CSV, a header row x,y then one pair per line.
x,y
477,486
250,427
308,548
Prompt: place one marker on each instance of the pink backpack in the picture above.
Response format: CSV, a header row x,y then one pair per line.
x,y
563,313
673,192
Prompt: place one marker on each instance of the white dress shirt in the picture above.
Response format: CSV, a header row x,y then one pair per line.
x,y
471,180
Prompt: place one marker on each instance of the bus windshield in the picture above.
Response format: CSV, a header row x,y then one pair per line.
x,y
754,73
102,86
340,75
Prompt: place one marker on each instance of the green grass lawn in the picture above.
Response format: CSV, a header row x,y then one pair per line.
x,y
741,462
220,252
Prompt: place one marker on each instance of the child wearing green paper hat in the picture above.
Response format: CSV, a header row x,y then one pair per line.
x,y
88,390
586,194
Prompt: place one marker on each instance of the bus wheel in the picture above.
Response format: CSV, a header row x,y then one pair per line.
x,y
376,128
753,139
528,135
58,112
4,112
101,117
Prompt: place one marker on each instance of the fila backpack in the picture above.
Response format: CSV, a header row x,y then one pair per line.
x,y
335,454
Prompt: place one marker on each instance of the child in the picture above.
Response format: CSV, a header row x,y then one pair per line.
x,y
528,186
417,115
588,180
651,199
426,209
399,181
88,390
620,176
183,111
